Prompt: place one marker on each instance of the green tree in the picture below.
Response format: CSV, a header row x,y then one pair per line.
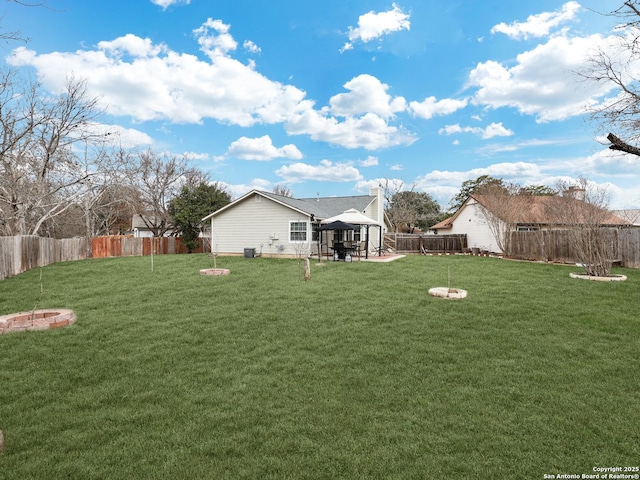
x,y
538,191
192,205
413,209
469,187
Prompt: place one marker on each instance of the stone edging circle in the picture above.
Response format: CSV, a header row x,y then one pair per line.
x,y
215,271
610,278
37,320
451,293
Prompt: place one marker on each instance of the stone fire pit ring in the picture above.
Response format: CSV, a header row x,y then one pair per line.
x,y
36,320
609,278
215,271
450,293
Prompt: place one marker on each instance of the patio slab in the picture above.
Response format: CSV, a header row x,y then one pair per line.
x,y
389,257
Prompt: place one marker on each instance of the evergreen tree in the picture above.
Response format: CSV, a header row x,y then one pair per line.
x,y
192,205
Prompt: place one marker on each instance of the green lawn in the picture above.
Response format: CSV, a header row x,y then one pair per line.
x,y
355,374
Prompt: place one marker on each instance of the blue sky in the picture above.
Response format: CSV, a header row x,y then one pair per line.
x,y
331,97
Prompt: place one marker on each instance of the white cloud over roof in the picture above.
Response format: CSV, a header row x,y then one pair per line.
x,y
261,148
326,170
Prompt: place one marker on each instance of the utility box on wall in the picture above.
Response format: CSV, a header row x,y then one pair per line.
x,y
249,252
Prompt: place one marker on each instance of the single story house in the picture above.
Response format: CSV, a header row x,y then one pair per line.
x,y
532,213
142,226
270,224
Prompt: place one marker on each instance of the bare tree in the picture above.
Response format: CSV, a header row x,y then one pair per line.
x,y
283,190
582,210
616,65
15,35
407,208
40,176
155,179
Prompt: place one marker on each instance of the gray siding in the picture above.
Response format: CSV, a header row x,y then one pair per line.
x,y
261,224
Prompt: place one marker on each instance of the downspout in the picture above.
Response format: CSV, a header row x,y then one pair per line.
x,y
212,251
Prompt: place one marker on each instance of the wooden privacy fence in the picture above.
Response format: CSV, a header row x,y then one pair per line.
x,y
21,253
126,246
555,246
422,243
629,244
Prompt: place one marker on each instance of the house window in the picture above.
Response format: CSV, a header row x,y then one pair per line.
x,y
297,231
527,228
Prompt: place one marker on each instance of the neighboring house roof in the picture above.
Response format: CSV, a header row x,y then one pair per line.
x,y
319,208
632,216
138,222
531,210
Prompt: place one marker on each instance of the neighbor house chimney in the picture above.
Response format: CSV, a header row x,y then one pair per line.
x,y
574,192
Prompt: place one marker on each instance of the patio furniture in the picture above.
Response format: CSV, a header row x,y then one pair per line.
x,y
343,249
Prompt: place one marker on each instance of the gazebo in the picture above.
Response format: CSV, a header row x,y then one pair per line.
x,y
353,217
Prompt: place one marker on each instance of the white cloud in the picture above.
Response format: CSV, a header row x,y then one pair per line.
x,y
493,148
136,78
251,47
370,161
542,82
261,148
167,3
603,163
396,168
539,25
119,136
237,190
133,46
214,38
395,184
430,107
160,84
444,184
373,25
196,156
492,130
496,130
521,171
369,131
346,46
366,94
325,171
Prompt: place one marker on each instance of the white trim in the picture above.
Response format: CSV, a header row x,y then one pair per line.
x,y
307,229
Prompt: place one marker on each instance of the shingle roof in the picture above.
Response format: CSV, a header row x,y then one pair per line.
x,y
535,210
324,207
319,207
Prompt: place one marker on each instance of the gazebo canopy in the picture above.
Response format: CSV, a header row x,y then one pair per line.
x,y
352,217
337,225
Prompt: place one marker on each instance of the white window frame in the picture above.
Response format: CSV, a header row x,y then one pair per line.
x,y
306,231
